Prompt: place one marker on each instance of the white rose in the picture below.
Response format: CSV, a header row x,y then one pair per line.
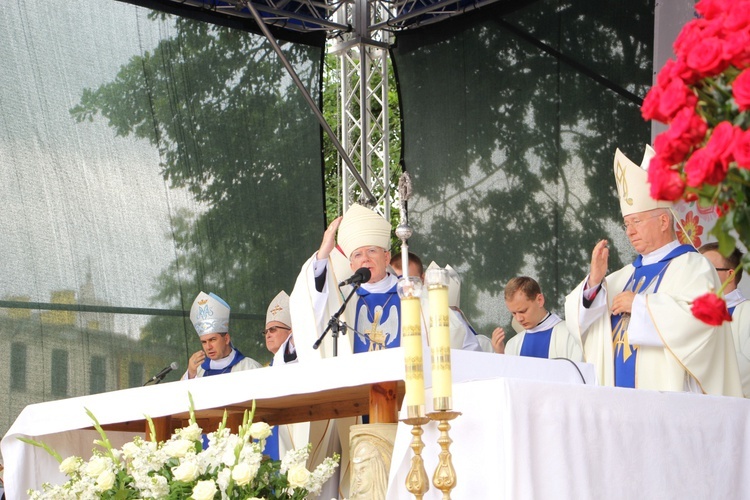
x,y
204,490
129,450
96,466
69,465
298,476
192,432
185,472
105,480
178,447
260,430
243,474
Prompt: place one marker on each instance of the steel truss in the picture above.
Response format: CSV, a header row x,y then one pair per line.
x,y
361,33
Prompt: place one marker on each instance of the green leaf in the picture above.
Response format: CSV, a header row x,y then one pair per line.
x,y
44,446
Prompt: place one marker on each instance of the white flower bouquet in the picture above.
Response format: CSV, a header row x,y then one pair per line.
x,y
232,466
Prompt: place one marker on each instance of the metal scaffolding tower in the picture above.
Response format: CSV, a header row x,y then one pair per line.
x,y
360,32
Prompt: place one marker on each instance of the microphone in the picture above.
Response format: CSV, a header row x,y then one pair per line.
x,y
159,376
361,275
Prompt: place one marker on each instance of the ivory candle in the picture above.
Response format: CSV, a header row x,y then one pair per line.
x,y
440,339
409,290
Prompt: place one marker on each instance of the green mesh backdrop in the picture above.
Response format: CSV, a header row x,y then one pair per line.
x,y
144,158
510,124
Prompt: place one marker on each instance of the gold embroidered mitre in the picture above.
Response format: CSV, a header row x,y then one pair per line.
x,y
632,184
278,309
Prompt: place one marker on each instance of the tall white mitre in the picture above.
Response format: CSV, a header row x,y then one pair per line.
x,y
362,227
278,309
209,314
633,186
454,284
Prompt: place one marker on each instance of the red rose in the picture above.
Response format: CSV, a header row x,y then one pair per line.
x,y
665,183
741,90
675,97
737,18
689,127
702,168
707,57
689,36
742,149
711,309
711,9
721,143
650,106
737,48
671,147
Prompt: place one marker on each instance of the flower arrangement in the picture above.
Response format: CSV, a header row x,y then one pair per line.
x,y
231,467
704,97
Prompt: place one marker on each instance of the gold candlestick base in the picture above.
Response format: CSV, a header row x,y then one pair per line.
x,y
417,482
444,478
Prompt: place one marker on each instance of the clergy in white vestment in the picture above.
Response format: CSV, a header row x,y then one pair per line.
x,y
279,339
544,333
636,325
730,272
358,239
462,334
210,318
372,315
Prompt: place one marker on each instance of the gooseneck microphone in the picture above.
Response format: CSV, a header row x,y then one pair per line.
x,y
159,376
361,275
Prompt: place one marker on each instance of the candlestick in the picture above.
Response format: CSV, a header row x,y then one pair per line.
x,y
440,339
444,477
410,290
417,482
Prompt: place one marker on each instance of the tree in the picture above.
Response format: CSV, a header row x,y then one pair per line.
x,y
235,133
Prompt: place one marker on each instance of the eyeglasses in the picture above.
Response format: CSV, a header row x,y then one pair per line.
x,y
637,222
273,329
371,252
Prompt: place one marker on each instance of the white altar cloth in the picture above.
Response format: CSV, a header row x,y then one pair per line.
x,y
63,423
526,439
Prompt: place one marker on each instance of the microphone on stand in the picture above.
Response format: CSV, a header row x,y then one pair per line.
x,y
159,376
361,275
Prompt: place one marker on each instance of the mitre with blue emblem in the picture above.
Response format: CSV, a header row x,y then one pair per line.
x,y
209,314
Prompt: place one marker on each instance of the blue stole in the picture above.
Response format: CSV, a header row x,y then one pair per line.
x,y
272,441
379,330
645,277
536,345
208,371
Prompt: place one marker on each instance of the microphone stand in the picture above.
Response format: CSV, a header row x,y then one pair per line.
x,y
335,325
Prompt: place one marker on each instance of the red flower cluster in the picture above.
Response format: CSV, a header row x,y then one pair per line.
x,y
704,95
711,309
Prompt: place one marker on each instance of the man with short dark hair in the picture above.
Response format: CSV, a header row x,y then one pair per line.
x,y
210,318
545,334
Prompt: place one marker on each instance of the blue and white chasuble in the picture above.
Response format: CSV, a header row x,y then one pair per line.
x,y
212,367
377,323
645,279
536,340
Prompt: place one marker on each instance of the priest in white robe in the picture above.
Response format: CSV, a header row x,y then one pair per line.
x,y
544,334
635,324
358,239
729,270
209,315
